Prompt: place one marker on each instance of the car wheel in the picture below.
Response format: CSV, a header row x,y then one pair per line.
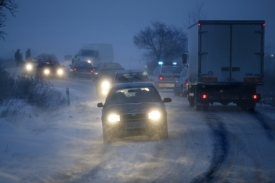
x,y
191,101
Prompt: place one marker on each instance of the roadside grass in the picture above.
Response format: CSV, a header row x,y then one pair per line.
x,y
31,91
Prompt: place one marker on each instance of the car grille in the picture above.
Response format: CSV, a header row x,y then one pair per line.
x,y
134,116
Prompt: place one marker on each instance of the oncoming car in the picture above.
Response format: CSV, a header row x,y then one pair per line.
x,y
30,65
50,67
133,108
103,77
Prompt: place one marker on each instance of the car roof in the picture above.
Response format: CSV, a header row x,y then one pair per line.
x,y
134,84
129,71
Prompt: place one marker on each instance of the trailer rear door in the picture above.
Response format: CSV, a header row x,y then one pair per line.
x,y
246,53
214,53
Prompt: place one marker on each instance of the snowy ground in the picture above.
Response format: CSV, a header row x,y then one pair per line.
x,y
224,144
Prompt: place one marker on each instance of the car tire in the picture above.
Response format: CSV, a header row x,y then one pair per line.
x,y
191,101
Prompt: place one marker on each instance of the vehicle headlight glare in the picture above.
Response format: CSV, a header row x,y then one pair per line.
x,y
154,115
105,84
104,91
46,71
29,67
113,118
60,71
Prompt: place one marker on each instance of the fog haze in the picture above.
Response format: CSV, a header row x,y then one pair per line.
x,y
62,27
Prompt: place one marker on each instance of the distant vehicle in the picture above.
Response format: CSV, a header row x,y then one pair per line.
x,y
96,53
225,62
164,76
30,65
132,108
103,77
126,76
181,83
49,67
68,57
81,69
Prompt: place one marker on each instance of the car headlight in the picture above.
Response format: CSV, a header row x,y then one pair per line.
x,y
89,61
104,91
46,71
113,118
105,84
154,115
60,71
29,67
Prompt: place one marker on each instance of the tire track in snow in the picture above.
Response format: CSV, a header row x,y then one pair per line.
x,y
220,148
264,122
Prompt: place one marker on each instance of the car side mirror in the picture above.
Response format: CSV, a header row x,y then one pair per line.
x,y
166,100
100,104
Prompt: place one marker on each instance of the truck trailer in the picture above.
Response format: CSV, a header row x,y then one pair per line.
x,y
226,62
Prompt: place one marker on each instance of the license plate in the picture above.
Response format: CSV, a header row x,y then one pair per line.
x,y
134,125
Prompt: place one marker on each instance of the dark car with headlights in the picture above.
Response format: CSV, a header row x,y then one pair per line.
x,y
81,69
30,65
103,77
133,108
49,67
128,76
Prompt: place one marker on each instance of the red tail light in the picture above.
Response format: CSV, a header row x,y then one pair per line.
x,y
91,70
186,83
74,69
204,96
256,96
161,78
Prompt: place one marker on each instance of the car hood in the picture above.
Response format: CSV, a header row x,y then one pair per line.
x,y
131,108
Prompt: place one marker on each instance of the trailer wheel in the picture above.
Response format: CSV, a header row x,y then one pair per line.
x,y
191,101
198,108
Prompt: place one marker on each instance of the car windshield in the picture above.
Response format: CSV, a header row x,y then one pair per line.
x,y
133,95
50,63
47,57
82,64
170,69
131,77
89,53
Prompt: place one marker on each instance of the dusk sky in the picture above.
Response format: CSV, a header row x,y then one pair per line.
x,y
61,27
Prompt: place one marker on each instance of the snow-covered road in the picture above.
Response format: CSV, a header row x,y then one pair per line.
x,y
224,144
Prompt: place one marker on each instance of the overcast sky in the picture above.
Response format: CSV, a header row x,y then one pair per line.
x,y
63,26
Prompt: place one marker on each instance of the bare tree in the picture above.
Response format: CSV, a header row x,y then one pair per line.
x,y
161,42
195,14
6,5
